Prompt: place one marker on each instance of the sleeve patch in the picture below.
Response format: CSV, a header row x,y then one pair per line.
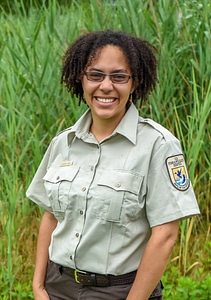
x,y
178,172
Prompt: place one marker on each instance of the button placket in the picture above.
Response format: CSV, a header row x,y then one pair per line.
x,y
83,183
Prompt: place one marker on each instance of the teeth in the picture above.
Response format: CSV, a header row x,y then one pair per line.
x,y
105,100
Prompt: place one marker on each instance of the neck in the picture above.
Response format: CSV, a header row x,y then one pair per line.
x,y
103,128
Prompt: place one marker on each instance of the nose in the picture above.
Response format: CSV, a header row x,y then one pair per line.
x,y
106,84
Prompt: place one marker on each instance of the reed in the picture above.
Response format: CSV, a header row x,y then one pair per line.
x,y
34,107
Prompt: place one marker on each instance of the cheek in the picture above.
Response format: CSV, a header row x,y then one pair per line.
x,y
126,92
88,87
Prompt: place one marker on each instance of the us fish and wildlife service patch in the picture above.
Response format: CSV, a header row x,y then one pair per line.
x,y
178,172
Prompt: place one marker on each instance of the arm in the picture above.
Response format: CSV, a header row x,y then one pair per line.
x,y
154,260
47,226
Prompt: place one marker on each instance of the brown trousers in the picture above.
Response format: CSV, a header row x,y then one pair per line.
x,y
63,287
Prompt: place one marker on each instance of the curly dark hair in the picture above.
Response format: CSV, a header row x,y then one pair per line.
x,y
139,54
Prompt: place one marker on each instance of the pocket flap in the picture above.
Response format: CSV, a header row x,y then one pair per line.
x,y
121,180
55,175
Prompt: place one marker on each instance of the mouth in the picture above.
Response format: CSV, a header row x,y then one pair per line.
x,y
105,100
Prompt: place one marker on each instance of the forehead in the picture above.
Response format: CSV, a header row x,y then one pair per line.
x,y
109,56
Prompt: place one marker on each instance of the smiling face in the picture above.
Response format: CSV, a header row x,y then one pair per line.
x,y
107,100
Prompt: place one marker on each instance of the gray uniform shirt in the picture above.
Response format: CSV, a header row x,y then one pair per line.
x,y
107,196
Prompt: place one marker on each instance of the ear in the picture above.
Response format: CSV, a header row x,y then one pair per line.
x,y
133,88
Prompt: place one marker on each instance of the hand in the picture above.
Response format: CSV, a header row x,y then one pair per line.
x,y
41,294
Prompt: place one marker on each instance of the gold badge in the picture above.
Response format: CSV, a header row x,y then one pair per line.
x,y
178,172
66,163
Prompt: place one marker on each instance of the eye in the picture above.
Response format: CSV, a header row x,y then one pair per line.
x,y
119,77
96,76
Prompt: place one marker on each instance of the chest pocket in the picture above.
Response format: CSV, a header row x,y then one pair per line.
x,y
58,182
120,191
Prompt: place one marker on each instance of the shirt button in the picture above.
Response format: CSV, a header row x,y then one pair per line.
x,y
118,184
71,257
81,212
83,189
77,234
91,168
57,178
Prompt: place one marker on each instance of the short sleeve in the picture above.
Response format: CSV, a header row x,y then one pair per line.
x,y
36,191
170,195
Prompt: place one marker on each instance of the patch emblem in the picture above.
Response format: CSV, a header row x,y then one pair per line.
x,y
178,172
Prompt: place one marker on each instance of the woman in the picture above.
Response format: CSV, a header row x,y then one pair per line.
x,y
114,185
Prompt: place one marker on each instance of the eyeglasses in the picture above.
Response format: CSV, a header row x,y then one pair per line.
x,y
115,77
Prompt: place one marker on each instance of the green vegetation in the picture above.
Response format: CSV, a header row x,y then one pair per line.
x,y
34,107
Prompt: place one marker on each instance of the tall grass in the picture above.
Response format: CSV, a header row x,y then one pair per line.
x,y
34,107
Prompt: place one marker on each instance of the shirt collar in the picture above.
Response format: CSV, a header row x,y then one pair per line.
x,y
127,127
81,128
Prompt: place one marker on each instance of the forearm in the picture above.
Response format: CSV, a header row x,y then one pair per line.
x,y
48,224
154,261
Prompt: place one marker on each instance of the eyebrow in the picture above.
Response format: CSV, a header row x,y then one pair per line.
x,y
114,71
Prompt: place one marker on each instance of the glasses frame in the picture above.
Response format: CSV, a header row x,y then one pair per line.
x,y
110,75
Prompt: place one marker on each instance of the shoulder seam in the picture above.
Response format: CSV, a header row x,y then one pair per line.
x,y
63,131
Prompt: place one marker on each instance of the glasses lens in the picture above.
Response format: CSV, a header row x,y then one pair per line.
x,y
95,76
115,77
120,78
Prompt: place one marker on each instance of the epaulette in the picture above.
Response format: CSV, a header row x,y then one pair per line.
x,y
63,131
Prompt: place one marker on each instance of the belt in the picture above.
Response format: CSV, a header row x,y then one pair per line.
x,y
87,278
